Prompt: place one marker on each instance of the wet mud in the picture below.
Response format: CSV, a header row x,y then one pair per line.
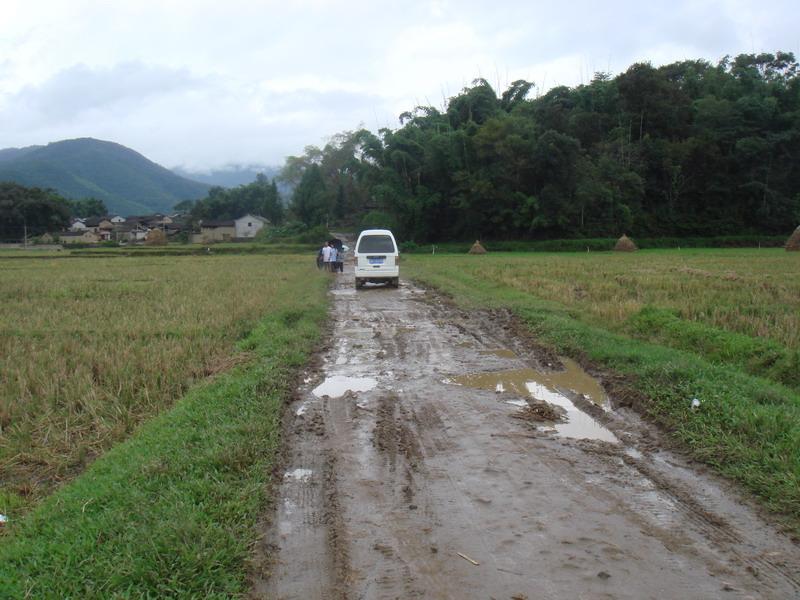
x,y
434,453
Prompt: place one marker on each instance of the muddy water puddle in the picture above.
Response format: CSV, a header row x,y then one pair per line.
x,y
546,386
338,385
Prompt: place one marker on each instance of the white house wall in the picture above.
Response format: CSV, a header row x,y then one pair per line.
x,y
248,226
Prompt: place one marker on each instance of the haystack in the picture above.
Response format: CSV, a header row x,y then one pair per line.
x,y
477,248
156,237
625,244
793,243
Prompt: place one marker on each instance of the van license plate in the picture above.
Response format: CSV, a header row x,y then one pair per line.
x,y
378,260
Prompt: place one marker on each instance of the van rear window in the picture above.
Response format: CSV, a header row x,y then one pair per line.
x,y
375,243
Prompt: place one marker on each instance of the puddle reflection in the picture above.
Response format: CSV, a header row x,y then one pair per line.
x,y
544,386
339,385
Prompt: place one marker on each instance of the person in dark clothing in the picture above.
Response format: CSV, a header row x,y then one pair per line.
x,y
338,264
320,263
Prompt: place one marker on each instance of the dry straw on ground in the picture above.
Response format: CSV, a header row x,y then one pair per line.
x,y
477,248
793,243
625,244
86,360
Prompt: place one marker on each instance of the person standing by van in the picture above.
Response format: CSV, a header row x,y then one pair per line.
x,y
334,254
320,262
326,256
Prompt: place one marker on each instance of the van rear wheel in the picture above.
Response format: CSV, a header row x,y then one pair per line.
x,y
396,282
359,283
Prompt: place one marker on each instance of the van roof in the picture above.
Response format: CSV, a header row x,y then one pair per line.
x,y
376,232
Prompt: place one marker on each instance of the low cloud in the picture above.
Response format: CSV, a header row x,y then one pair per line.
x,y
80,88
201,84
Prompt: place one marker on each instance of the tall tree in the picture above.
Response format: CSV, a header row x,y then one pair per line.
x,y
309,201
30,211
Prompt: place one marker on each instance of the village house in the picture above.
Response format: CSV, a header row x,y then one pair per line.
x,y
215,231
100,225
243,228
150,221
248,226
77,224
78,237
130,232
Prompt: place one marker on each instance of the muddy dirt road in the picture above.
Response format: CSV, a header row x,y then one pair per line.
x,y
418,466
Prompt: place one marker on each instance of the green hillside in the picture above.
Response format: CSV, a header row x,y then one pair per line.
x,y
125,180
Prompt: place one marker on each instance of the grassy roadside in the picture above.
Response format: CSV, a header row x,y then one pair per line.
x,y
171,511
748,427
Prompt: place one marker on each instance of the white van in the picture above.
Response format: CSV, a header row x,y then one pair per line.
x,y
377,258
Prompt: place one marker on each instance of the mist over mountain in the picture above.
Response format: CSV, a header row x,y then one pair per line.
x,y
229,175
125,180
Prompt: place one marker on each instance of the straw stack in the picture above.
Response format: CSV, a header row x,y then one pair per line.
x,y
793,243
625,244
477,248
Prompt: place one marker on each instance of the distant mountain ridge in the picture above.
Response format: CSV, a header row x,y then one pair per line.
x,y
125,180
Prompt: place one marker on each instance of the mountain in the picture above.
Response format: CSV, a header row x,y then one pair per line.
x,y
7,154
125,180
229,175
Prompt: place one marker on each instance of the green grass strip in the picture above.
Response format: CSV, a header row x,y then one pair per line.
x,y
172,511
756,356
747,428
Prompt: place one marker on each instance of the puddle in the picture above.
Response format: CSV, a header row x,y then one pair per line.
x,y
298,474
633,453
302,410
343,292
520,403
545,386
338,385
501,352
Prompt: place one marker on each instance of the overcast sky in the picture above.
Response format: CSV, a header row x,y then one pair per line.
x,y
201,84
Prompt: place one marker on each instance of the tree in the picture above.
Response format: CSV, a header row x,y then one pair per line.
x,y
184,206
688,148
309,201
260,197
87,207
30,211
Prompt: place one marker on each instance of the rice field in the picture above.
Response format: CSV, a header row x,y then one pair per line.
x,y
92,347
750,292
736,306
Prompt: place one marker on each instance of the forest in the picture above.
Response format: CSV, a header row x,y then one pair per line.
x,y
686,149
32,211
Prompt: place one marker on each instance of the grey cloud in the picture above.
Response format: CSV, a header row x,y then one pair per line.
x,y
337,64
80,88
